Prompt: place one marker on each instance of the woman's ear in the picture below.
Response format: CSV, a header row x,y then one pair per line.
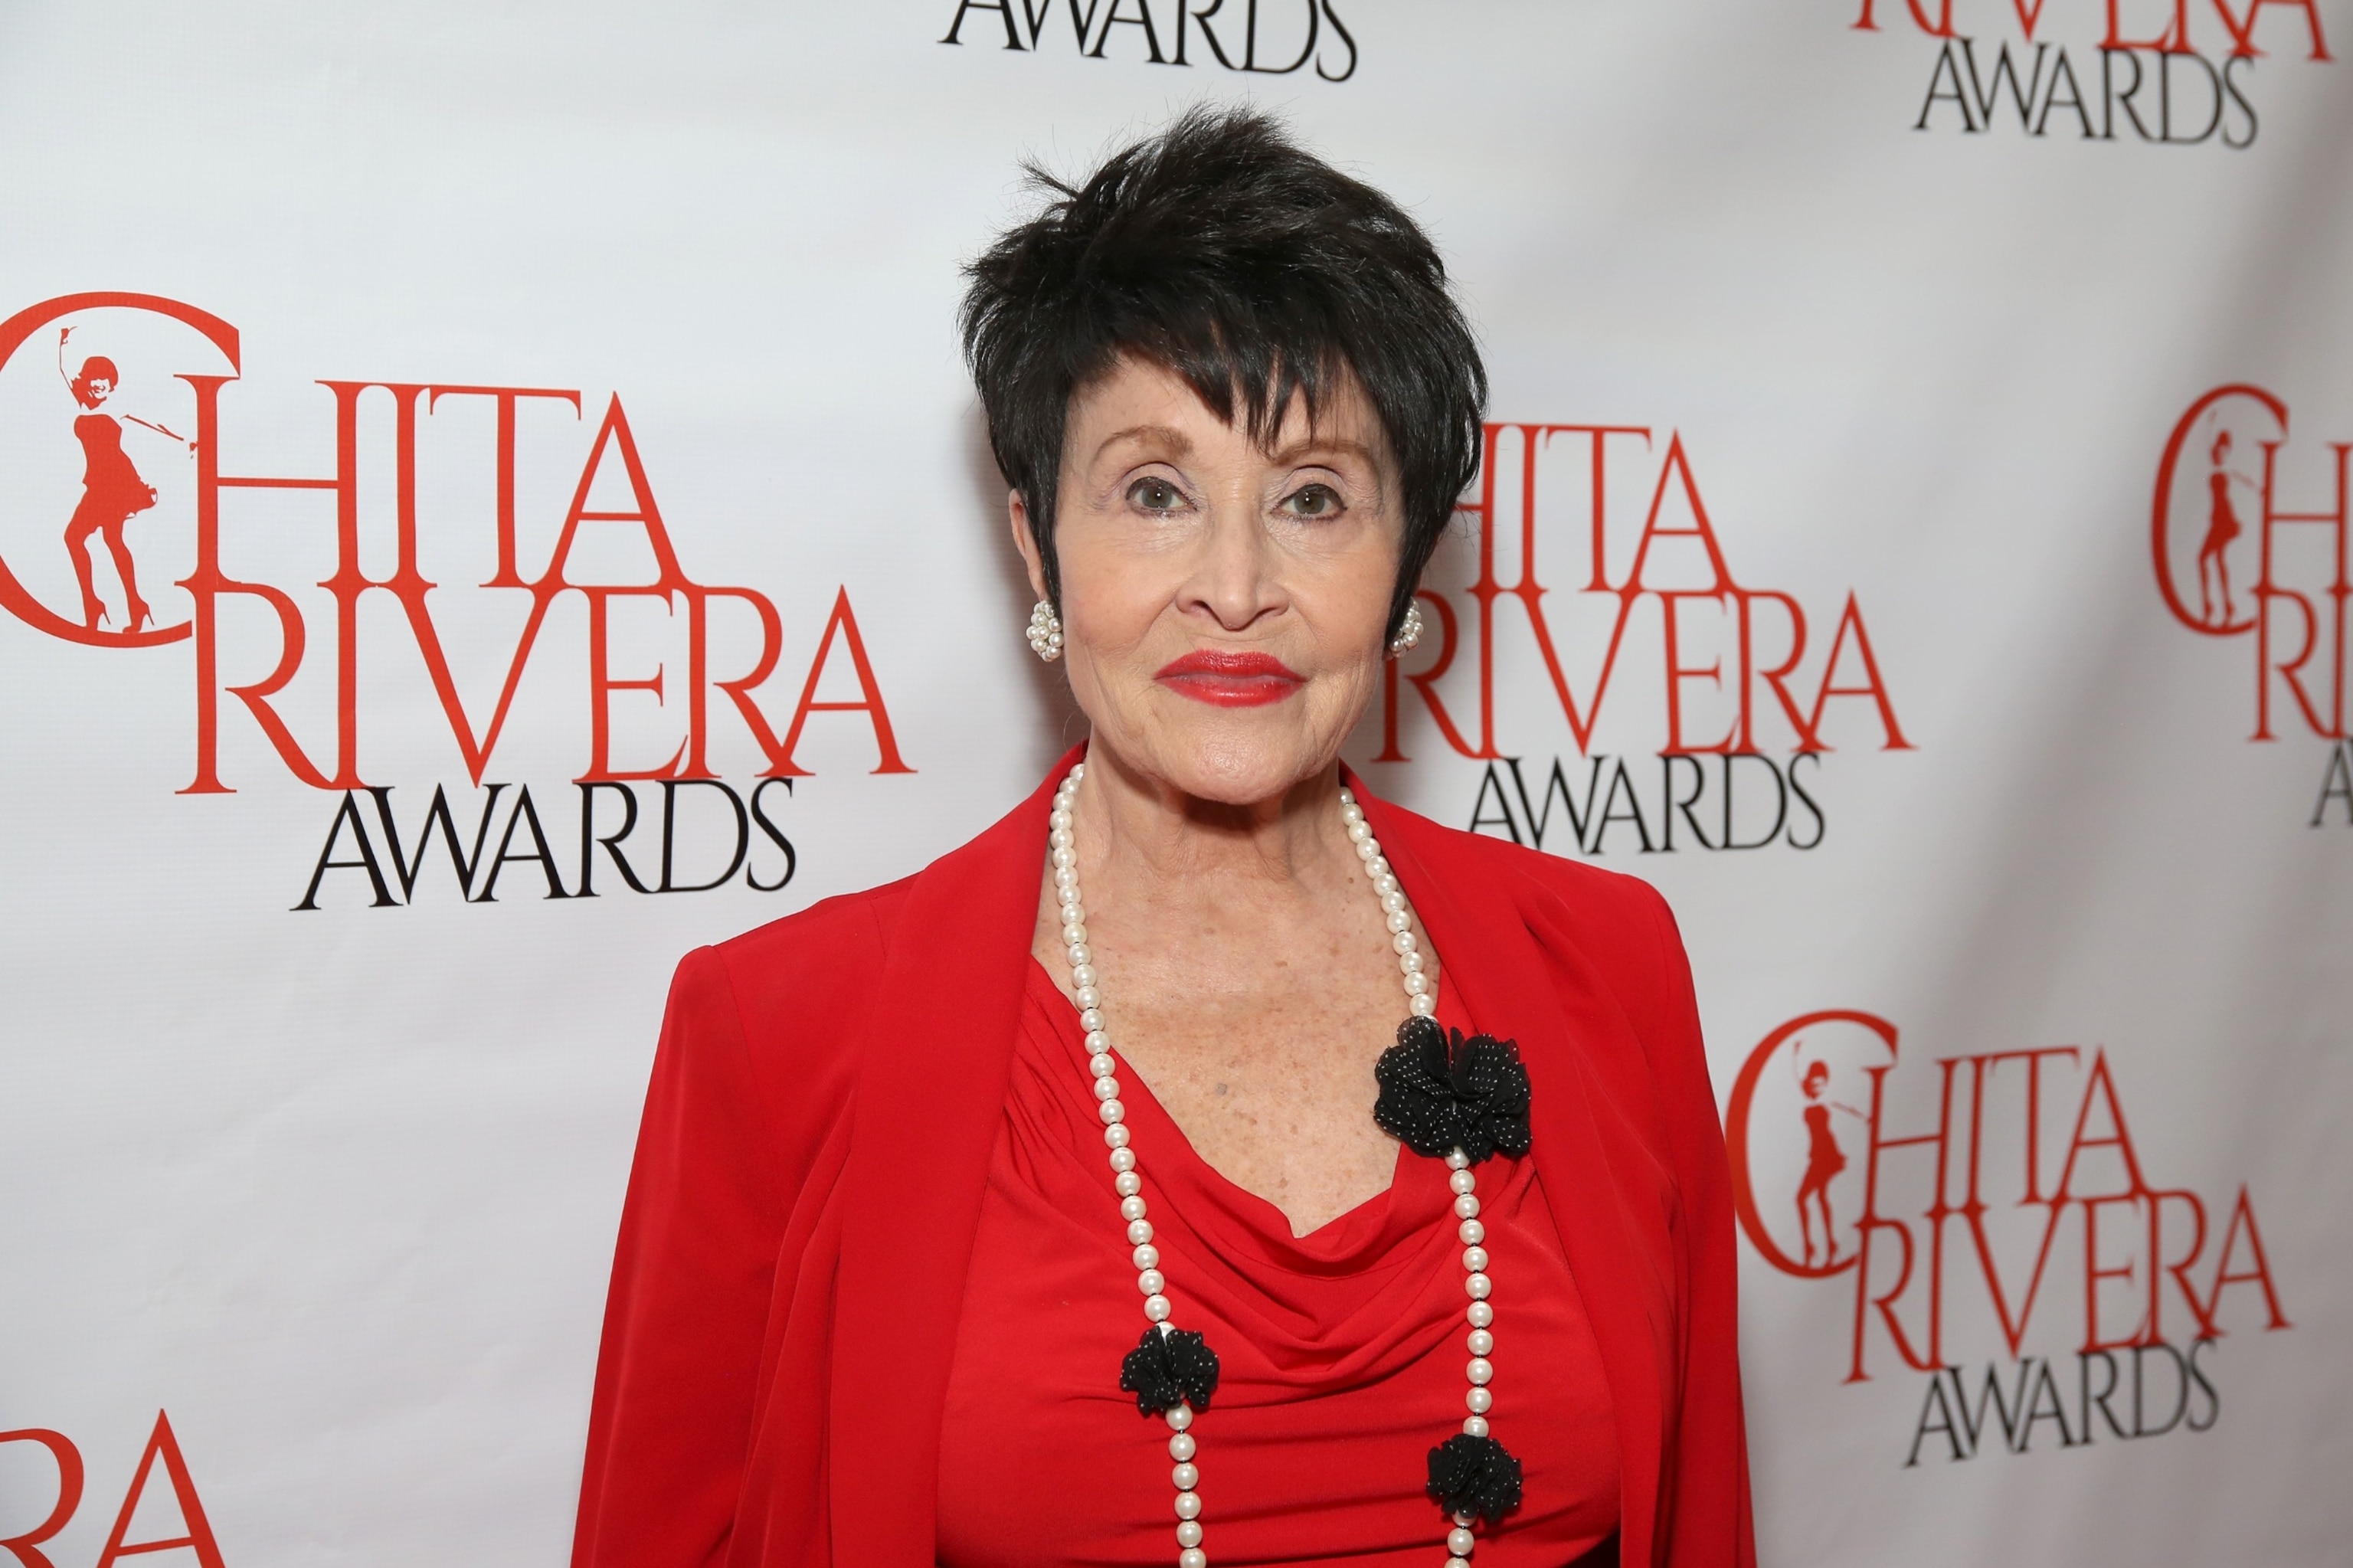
x,y
1017,513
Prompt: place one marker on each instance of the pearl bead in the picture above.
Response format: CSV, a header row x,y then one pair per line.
x,y
1180,1446
1145,1256
1410,963
1479,1400
1480,1315
1116,1137
1481,1370
1472,1232
1478,1286
1178,1417
1132,1209
1192,1557
1127,1183
1392,902
1460,1541
1456,1160
1061,839
1474,1426
1421,1006
1357,831
1106,1088
1368,849
1403,942
1090,1020
1157,1308
1082,978
1400,922
1061,815
1458,1562
1188,1534
1140,1231
1150,1282
1479,1342
1123,1159
1379,868
1466,1207
1185,1476
1079,952
1112,1111
1349,811
1416,984
1100,1064
1460,1180
1073,912
1474,1258
1189,1505
1066,878
1089,999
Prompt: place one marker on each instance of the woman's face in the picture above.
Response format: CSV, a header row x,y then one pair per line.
x,y
99,389
1223,605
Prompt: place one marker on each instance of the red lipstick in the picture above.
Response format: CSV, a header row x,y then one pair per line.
x,y
1231,678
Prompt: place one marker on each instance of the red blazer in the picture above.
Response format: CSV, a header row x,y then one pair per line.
x,y
825,1100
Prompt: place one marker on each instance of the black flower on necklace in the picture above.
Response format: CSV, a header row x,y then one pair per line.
x,y
1474,1476
1168,1368
1440,1092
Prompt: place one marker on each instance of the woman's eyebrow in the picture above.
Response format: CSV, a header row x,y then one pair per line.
x,y
1164,438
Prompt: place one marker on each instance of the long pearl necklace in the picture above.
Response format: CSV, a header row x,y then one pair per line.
x,y
1150,1282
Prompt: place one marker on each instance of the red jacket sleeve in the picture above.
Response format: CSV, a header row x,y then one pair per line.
x,y
676,1375
1708,1522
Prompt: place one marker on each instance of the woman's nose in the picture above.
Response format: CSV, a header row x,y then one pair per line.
x,y
1232,579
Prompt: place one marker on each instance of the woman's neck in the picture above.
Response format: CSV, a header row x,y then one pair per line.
x,y
1137,826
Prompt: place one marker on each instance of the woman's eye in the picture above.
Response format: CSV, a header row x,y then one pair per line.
x,y
1155,496
1314,501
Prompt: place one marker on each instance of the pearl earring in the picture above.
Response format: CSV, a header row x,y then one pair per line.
x,y
1408,632
1046,631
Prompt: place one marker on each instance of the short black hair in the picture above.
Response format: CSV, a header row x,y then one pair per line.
x,y
1225,251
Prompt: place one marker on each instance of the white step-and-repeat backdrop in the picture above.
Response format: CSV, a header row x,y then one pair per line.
x,y
489,500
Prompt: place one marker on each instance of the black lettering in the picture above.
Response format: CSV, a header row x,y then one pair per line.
x,y
670,787
1947,70
2099,1400
2336,784
2112,98
1004,8
1502,804
1990,94
612,841
1187,15
2165,62
1306,52
2038,1409
2231,86
792,861
1609,814
349,811
2197,1375
2061,71
2180,1390
1539,824
1667,760
1346,36
1936,1403
1780,811
1143,18
1821,825
524,813
406,867
1973,1422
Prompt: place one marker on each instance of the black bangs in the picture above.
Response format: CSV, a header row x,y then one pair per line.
x,y
1254,270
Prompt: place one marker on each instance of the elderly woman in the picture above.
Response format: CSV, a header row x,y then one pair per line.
x,y
1208,1163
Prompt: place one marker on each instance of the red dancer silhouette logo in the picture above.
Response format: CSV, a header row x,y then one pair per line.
x,y
2249,539
113,492
1824,1158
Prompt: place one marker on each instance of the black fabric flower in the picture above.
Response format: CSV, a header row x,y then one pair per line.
x,y
1169,1369
1474,1475
1438,1094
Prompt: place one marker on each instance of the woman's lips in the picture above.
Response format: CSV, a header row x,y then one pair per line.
x,y
1230,679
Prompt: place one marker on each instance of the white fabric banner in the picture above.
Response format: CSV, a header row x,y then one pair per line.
x,y
1912,534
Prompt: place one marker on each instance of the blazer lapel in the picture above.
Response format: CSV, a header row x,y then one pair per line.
x,y
931,1098
1580,1147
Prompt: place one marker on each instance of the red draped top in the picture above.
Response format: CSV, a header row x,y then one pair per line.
x,y
1341,1352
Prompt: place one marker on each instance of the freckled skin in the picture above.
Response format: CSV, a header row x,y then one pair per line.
x,y
1246,973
